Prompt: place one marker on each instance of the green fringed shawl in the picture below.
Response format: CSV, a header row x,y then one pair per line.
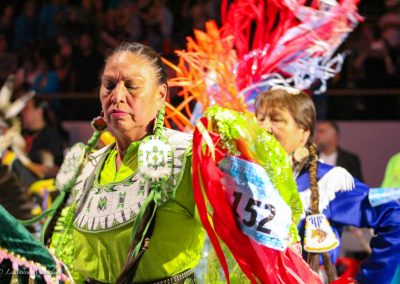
x,y
25,252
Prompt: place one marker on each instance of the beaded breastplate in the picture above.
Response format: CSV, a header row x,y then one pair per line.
x,y
106,207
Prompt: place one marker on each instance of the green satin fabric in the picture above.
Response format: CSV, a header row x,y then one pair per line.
x,y
16,239
175,245
392,172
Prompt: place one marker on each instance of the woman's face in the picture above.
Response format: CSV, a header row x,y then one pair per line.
x,y
130,94
31,116
280,123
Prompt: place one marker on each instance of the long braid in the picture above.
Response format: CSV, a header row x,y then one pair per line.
x,y
329,268
146,225
313,179
313,258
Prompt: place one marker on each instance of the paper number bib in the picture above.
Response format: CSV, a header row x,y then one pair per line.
x,y
261,212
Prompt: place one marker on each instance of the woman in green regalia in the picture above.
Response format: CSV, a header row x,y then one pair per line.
x,y
118,197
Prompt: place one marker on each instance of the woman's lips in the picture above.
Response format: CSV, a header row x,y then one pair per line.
x,y
118,113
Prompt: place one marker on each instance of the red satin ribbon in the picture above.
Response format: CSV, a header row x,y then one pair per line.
x,y
258,263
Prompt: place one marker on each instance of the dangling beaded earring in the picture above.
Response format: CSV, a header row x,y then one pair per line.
x,y
301,154
98,124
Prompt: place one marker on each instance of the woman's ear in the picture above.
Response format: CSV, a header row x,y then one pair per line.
x,y
162,94
305,136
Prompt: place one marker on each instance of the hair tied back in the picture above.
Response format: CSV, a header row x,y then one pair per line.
x,y
290,90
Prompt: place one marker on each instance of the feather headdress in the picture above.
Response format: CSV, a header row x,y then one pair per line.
x,y
10,126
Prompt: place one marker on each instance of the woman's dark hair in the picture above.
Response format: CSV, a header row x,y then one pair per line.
x,y
43,104
148,54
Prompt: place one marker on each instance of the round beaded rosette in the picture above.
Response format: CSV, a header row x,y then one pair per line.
x,y
155,159
70,167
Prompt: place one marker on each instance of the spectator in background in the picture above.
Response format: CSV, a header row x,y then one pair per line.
x,y
99,14
46,82
134,27
63,61
87,65
193,14
26,28
374,64
65,47
63,71
74,23
390,23
86,16
115,28
26,73
8,59
327,141
158,26
390,26
7,24
86,75
51,15
44,143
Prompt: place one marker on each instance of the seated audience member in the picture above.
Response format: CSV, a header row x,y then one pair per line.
x,y
327,141
355,240
44,145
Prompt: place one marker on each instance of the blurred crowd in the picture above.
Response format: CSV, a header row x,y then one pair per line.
x,y
58,46
373,49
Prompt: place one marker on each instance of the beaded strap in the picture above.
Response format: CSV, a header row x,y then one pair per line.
x,y
175,279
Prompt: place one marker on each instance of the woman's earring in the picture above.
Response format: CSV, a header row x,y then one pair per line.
x,y
301,154
99,123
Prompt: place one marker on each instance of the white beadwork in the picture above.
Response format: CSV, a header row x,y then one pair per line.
x,y
102,208
336,180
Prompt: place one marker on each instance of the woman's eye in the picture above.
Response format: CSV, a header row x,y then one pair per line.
x,y
131,87
109,86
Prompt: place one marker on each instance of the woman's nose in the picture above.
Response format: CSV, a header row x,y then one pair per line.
x,y
119,94
267,125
